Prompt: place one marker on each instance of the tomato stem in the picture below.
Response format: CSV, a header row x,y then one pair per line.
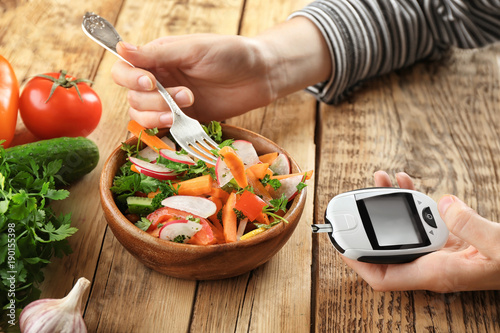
x,y
63,81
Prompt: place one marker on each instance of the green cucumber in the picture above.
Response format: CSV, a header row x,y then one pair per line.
x,y
140,205
79,155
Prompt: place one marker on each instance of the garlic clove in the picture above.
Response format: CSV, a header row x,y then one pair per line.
x,y
56,315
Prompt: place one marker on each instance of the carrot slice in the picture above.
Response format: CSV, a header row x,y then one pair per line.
x,y
218,234
268,158
213,218
151,195
151,140
235,165
307,174
261,170
229,219
195,186
134,169
219,193
262,218
257,186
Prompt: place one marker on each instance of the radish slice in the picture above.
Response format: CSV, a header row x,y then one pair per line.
x,y
198,206
288,187
281,165
148,153
222,173
153,170
246,152
156,168
172,155
160,176
169,142
241,228
184,228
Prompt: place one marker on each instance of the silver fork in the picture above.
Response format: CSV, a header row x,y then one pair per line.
x,y
187,131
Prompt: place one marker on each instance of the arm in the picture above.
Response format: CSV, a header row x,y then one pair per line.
x,y
370,38
215,77
329,46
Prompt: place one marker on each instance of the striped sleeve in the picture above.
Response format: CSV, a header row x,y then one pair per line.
x,y
367,38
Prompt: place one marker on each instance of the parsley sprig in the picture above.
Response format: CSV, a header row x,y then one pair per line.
x,y
275,206
275,183
31,233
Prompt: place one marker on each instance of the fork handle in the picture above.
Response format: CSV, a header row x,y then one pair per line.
x,y
168,98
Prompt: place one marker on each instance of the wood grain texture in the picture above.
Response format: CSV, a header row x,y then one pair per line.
x,y
45,36
277,295
153,302
439,123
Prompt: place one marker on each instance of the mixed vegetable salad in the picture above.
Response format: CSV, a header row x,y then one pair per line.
x,y
172,196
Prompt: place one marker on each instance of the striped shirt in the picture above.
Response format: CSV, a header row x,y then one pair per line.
x,y
367,38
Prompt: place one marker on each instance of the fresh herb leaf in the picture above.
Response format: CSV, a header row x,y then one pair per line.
x,y
129,149
276,205
239,214
166,189
38,234
143,224
214,130
274,183
246,188
180,239
279,203
57,234
300,186
193,219
219,216
228,142
270,225
151,131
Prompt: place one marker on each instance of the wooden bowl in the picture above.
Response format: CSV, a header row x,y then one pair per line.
x,y
196,262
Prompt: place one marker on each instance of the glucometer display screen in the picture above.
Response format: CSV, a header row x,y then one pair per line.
x,y
391,221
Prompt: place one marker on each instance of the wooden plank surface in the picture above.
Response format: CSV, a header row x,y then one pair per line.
x,y
439,123
275,297
166,301
45,36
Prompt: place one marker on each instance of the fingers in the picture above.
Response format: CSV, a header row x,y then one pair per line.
x,y
153,101
132,78
382,179
151,119
396,277
465,223
404,181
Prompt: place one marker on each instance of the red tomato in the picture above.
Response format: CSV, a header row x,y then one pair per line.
x,y
250,205
9,97
203,237
55,105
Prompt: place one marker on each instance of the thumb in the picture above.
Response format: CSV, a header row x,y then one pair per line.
x,y
465,223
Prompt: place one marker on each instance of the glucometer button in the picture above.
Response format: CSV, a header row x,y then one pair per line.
x,y
428,217
343,222
351,221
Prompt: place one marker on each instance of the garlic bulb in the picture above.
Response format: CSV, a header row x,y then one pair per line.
x,y
56,315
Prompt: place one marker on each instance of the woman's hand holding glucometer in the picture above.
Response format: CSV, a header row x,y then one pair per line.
x,y
470,259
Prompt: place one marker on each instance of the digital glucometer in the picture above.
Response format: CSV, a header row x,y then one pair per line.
x,y
383,225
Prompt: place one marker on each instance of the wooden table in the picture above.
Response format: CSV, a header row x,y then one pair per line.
x,y
438,122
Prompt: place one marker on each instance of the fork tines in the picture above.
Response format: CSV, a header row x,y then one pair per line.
x,y
202,149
